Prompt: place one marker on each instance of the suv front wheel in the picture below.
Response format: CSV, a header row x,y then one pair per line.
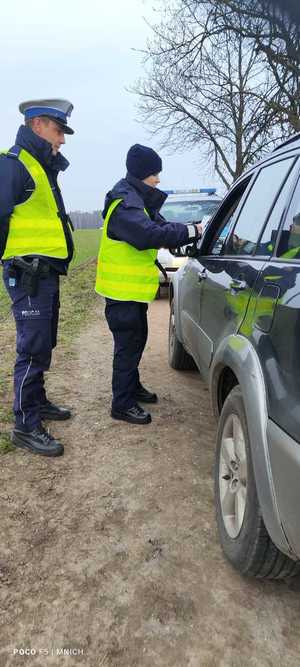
x,y
242,531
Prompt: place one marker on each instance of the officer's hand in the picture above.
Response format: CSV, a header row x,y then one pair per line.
x,y
200,228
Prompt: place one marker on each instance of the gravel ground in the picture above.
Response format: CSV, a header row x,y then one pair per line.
x,y
109,555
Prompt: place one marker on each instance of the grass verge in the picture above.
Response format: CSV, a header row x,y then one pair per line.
x,y
5,444
86,243
77,298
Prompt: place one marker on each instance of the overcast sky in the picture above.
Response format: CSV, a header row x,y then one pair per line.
x,y
83,51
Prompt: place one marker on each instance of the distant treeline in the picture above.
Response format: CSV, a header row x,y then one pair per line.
x,y
83,220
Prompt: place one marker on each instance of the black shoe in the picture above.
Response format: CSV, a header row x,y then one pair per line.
x,y
37,441
134,415
145,396
50,411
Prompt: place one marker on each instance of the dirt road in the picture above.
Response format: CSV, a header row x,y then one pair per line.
x,y
110,554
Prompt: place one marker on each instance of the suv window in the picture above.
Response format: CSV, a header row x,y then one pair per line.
x,y
227,212
258,204
267,242
289,243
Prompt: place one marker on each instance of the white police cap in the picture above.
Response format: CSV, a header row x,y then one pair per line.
x,y
56,109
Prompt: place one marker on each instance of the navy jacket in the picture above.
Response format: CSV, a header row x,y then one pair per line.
x,y
16,185
130,223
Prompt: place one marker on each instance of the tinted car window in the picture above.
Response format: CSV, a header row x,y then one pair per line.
x,y
226,218
250,223
219,241
267,242
188,211
289,244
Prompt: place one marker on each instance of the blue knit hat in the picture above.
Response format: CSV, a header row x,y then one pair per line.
x,y
142,161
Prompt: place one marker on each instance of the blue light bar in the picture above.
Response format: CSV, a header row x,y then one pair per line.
x,y
207,191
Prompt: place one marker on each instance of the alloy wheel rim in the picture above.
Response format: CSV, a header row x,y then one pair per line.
x,y
233,476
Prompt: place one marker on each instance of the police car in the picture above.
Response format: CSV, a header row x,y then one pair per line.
x,y
185,206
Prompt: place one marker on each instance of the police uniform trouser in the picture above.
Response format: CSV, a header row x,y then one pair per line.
x,y
36,323
127,321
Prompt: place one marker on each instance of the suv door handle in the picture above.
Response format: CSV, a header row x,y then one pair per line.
x,y
202,275
238,285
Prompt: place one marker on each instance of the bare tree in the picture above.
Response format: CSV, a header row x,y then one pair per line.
x,y
86,220
211,92
275,32
291,7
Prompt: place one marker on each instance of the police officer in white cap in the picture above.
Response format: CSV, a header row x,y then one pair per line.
x,y
35,248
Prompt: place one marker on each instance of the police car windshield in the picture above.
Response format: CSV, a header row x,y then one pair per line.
x,y
188,211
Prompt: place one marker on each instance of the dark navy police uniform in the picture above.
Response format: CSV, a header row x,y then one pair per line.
x,y
36,317
127,320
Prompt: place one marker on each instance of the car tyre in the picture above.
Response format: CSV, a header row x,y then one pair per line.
x,y
242,531
178,357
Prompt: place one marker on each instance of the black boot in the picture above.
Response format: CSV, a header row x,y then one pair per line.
x,y
37,441
49,410
134,415
145,396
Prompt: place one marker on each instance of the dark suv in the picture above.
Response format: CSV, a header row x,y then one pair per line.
x,y
235,313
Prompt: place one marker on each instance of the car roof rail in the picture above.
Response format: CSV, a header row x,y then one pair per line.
x,y
295,137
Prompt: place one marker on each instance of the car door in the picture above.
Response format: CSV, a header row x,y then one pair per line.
x,y
228,271
194,272
273,322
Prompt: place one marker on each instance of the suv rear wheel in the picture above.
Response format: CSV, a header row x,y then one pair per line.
x,y
242,532
178,357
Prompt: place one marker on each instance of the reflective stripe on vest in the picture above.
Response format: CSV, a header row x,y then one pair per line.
x,y
123,272
34,226
289,254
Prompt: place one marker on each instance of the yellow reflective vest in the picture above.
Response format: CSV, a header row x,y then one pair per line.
x,y
34,226
123,272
